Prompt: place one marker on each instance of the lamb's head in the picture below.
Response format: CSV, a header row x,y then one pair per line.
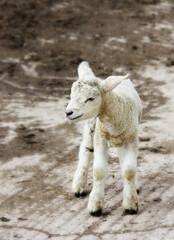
x,y
87,93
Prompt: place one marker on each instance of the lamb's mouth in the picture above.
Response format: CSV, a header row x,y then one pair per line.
x,y
76,117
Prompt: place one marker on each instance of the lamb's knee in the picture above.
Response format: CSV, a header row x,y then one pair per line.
x,y
129,172
99,174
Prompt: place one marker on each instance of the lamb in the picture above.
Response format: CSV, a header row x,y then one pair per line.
x,y
112,110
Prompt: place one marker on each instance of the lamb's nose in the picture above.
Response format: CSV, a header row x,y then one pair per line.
x,y
69,113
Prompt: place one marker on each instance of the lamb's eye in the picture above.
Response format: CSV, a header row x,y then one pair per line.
x,y
90,99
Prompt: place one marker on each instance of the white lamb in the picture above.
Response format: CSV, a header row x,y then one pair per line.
x,y
112,109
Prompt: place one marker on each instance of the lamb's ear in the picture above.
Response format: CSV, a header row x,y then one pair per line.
x,y
84,70
111,82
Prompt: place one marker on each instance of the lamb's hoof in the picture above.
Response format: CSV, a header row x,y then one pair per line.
x,y
78,194
129,212
138,191
97,213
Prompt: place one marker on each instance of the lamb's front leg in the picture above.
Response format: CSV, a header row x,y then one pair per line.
x,y
129,165
85,155
100,171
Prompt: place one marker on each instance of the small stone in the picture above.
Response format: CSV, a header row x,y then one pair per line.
x,y
30,135
144,139
22,219
41,130
4,219
134,47
172,62
158,199
148,1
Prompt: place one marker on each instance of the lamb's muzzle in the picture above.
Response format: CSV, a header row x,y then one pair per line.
x,y
112,109
69,113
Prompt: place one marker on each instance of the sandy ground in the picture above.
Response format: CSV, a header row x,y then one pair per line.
x,y
41,45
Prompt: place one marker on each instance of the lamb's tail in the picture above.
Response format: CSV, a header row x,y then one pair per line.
x,y
127,76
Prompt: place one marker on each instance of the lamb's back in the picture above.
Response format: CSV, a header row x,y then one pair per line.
x,y
127,91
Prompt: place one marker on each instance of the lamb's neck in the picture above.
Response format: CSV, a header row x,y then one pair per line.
x,y
111,109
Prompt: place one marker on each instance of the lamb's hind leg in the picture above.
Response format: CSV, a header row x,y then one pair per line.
x,y
128,160
85,155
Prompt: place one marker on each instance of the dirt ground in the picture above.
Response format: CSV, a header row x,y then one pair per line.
x,y
41,44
